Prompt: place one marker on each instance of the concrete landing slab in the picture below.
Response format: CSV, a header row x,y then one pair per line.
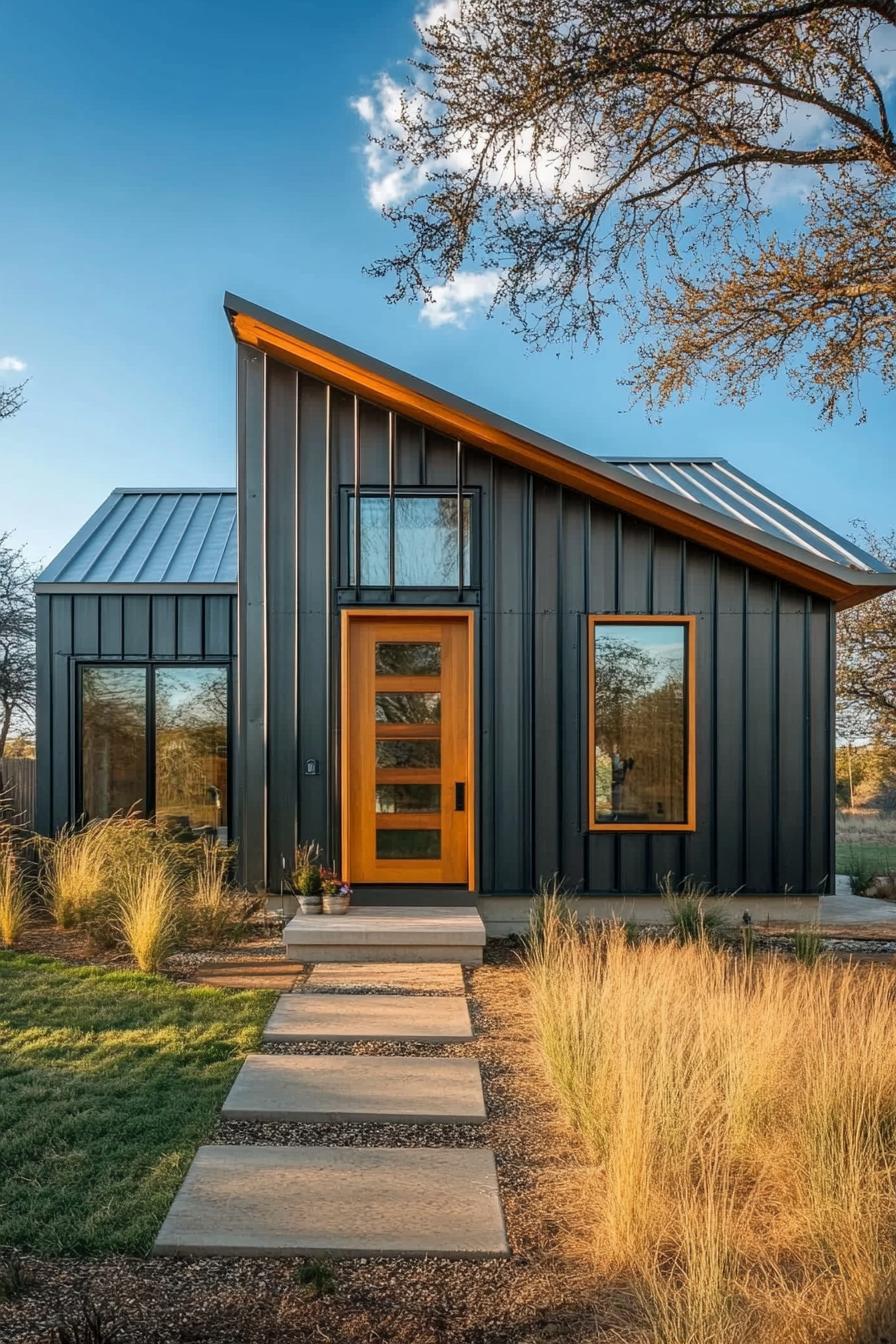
x,y
378,1088
368,1017
388,933
240,1200
409,977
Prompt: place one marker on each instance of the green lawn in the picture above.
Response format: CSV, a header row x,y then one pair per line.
x,y
108,1082
882,854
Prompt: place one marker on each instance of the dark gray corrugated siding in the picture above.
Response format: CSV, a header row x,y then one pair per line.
x,y
548,557
111,627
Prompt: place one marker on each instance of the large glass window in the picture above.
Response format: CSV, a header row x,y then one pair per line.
x,y
191,748
113,740
156,739
426,549
640,724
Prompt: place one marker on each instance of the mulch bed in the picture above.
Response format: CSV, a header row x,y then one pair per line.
x,y
532,1296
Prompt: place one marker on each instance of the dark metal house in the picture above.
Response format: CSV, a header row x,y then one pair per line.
x,y
458,654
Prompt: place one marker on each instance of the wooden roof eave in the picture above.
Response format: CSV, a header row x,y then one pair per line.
x,y
643,501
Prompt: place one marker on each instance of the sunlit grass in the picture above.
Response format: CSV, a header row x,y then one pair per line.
x,y
736,1119
109,1080
15,904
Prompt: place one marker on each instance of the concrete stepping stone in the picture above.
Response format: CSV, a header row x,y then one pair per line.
x,y
407,977
380,1088
368,1017
241,1200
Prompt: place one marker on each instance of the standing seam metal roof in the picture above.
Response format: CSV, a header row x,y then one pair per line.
x,y
153,536
716,484
181,537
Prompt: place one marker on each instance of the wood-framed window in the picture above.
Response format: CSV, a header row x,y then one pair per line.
x,y
641,723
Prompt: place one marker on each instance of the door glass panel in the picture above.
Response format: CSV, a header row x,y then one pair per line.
x,y
113,740
409,844
408,706
398,753
191,749
408,798
408,660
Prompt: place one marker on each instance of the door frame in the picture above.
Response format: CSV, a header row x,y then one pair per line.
x,y
399,613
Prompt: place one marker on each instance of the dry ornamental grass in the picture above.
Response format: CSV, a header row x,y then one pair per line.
x,y
735,1120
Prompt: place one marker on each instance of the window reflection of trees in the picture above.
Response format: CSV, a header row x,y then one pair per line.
x,y
425,541
191,747
639,728
113,729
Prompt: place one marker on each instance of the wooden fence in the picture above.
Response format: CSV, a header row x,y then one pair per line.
x,y
17,777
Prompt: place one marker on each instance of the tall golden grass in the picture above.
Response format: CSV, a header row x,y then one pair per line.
x,y
149,909
218,912
736,1121
15,905
83,868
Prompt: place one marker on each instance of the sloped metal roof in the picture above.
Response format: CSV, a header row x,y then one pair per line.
x,y
154,537
716,484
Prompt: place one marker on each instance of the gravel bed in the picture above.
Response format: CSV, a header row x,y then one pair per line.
x,y
530,1297
272,948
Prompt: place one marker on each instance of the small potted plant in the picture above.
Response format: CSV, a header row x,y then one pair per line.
x,y
337,895
307,878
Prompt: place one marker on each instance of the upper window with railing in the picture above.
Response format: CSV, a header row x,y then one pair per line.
x,y
410,540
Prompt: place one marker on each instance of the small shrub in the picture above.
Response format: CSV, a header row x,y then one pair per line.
x,y
693,920
808,946
149,915
862,866
90,1323
218,912
15,1280
306,871
316,1277
15,906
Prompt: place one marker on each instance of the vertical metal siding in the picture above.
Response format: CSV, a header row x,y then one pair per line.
x,y
253,633
548,556
280,541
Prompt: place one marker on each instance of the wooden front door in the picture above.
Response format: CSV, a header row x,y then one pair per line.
x,y
406,785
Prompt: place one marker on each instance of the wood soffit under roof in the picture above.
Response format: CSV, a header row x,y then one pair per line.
x,y
415,404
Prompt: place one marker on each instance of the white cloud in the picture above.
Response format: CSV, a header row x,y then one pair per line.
x,y
452,304
12,364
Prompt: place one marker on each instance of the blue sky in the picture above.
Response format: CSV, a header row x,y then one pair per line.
x,y
158,153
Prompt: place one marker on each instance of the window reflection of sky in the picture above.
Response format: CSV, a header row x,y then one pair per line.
x,y
663,644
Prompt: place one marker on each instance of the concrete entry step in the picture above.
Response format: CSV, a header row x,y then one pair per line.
x,y
240,1200
388,933
425,977
378,1088
369,1017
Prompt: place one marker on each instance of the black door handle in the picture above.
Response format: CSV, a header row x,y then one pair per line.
x,y
460,796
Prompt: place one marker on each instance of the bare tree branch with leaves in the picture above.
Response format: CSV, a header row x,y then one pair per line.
x,y
12,399
17,639
609,157
866,657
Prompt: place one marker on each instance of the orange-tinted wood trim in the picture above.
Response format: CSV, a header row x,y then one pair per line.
x,y
690,623
459,424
